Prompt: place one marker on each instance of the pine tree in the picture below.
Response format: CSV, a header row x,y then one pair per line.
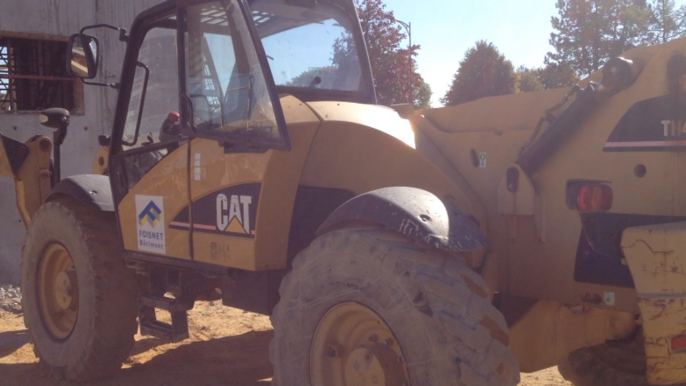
x,y
589,32
483,72
668,22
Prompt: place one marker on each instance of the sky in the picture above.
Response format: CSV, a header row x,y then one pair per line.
x,y
446,29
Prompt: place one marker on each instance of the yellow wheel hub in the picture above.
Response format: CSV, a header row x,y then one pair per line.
x,y
353,346
58,291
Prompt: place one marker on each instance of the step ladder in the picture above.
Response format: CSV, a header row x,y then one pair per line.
x,y
176,331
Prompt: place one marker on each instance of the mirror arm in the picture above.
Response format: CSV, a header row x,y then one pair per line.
x,y
111,85
122,31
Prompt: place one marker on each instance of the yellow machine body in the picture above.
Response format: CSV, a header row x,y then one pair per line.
x,y
235,210
323,155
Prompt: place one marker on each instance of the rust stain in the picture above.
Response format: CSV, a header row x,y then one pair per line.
x,y
660,304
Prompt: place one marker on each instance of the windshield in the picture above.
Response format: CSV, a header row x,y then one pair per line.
x,y
310,47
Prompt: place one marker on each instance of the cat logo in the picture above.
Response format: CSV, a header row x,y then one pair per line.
x,y
231,212
233,215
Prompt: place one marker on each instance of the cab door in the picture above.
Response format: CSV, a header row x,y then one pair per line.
x,y
236,119
149,174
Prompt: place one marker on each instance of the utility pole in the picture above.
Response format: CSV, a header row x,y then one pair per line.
x,y
408,27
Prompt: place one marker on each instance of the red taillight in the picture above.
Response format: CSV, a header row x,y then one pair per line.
x,y
594,198
679,343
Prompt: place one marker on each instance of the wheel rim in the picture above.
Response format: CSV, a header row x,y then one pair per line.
x,y
58,292
352,345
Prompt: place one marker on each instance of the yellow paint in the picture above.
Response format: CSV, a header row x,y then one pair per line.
x,y
657,257
235,226
101,161
548,331
169,179
381,118
546,234
277,171
349,348
32,181
5,168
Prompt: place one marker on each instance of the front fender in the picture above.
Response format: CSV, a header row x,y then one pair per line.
x,y
413,212
89,189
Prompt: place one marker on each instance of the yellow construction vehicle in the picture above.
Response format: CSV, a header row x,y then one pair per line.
x,y
248,162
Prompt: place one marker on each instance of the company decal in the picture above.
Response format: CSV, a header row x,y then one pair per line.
x,y
657,124
231,211
150,224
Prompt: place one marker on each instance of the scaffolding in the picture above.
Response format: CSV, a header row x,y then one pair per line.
x,y
33,75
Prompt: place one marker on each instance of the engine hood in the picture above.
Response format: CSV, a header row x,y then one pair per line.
x,y
380,118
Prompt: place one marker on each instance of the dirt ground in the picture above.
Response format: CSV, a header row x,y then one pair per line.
x,y
226,347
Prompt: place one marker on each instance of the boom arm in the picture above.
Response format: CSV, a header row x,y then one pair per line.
x,y
29,165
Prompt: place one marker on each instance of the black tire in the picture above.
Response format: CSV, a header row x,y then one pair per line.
x,y
438,309
103,332
608,364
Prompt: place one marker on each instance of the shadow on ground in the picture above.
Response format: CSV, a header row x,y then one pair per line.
x,y
240,360
11,341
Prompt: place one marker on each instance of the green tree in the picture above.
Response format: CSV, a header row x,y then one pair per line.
x,y
555,75
589,32
422,96
393,65
483,72
668,21
326,75
546,78
527,79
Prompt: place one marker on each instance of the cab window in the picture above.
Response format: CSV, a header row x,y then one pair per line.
x,y
226,86
309,47
152,115
157,56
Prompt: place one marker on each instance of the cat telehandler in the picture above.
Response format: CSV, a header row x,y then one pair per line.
x,y
248,162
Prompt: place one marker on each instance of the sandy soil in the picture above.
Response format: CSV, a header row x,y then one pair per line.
x,y
227,347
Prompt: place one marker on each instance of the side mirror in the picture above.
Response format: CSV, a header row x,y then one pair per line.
x,y
82,56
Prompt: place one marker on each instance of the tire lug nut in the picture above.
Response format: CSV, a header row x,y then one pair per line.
x,y
389,342
374,338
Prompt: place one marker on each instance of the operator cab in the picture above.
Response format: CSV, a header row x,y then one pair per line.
x,y
217,70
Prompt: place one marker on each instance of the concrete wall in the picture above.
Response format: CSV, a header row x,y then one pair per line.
x,y
60,18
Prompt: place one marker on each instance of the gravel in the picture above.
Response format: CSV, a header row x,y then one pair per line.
x,y
10,298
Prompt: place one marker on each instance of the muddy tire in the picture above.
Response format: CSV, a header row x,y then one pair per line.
x,y
439,323
79,300
615,364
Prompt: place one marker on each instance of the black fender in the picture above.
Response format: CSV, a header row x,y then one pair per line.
x,y
413,212
89,189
